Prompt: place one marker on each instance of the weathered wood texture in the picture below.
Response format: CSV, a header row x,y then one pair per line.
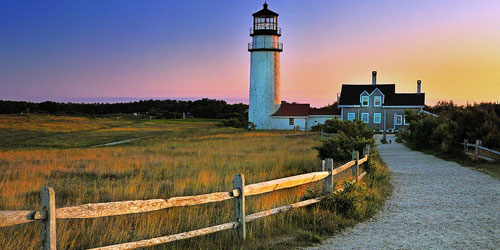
x,y
96,210
288,182
361,176
489,150
355,168
239,205
126,207
343,167
9,218
363,160
289,207
282,209
477,150
48,208
486,158
170,238
328,181
476,147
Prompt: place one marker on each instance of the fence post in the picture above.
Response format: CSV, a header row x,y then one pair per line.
x,y
466,147
479,149
366,150
239,205
328,181
355,157
476,151
48,203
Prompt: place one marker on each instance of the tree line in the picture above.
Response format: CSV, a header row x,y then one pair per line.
x,y
203,108
452,125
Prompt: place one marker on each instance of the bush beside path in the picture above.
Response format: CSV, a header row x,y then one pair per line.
x,y
436,204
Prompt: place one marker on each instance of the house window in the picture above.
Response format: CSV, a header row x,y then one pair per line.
x,y
399,119
365,117
351,116
377,102
377,117
290,121
365,101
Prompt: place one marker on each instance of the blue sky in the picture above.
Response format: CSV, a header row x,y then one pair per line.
x,y
121,50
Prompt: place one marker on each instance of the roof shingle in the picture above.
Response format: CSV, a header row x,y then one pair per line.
x,y
350,93
297,109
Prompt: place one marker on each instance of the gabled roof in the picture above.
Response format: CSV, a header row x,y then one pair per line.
x,y
297,109
265,12
292,109
406,100
324,111
350,93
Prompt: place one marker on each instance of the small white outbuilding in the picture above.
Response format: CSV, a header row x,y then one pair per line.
x,y
296,116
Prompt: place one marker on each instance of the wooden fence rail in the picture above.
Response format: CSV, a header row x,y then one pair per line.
x,y
48,213
477,150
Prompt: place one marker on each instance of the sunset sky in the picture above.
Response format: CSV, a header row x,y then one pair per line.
x,y
119,50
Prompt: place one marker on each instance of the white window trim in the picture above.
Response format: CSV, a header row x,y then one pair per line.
x,y
353,115
375,101
368,119
379,118
367,101
404,121
396,120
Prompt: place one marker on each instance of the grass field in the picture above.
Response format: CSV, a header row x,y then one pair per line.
x,y
169,158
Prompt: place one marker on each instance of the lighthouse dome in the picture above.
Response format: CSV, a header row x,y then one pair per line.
x,y
265,12
265,22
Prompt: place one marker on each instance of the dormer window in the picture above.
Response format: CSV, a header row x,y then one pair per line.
x,y
365,101
377,101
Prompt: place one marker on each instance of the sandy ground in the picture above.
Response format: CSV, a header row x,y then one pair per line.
x,y
436,204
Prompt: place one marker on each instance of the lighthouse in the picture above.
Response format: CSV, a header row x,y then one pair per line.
x,y
264,51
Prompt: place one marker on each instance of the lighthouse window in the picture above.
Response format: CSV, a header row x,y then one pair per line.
x,y
268,23
290,121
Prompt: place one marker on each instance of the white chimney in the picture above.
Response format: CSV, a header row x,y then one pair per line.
x,y
419,86
374,77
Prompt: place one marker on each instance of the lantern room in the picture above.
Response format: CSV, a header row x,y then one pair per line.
x,y
265,22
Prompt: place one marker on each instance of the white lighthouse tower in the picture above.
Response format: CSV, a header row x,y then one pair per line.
x,y
265,51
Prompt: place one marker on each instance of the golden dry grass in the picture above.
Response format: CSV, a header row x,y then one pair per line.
x,y
169,159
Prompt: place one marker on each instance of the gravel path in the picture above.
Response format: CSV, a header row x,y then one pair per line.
x,y
436,204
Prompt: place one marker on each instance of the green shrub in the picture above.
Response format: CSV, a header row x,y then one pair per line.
x,y
340,147
343,202
354,128
238,122
352,135
318,127
453,125
401,135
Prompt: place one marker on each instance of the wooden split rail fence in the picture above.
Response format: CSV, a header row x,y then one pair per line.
x,y
477,154
48,213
